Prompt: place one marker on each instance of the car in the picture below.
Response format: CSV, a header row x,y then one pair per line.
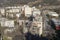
x,y
57,23
58,26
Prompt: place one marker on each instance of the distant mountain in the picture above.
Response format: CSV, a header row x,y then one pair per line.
x,y
31,2
45,2
52,2
16,1
13,2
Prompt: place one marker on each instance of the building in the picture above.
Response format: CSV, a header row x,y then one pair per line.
x,y
7,23
12,12
27,10
2,11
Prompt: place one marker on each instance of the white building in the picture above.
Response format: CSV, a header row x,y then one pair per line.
x,y
36,13
27,10
34,8
36,28
7,23
2,11
13,11
53,14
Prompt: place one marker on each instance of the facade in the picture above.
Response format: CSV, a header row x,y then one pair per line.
x,y
13,11
7,23
2,11
28,13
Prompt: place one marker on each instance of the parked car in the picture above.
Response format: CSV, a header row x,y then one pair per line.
x,y
58,26
57,23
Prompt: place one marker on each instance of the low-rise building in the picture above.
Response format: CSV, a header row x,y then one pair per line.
x,y
12,12
7,23
28,11
2,11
